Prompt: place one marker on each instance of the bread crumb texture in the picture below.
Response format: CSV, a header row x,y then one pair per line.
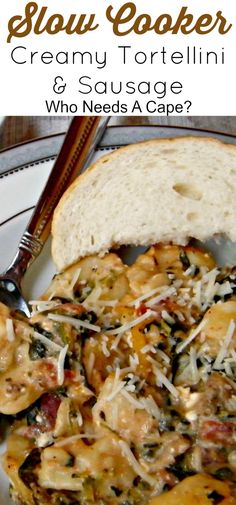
x,y
160,190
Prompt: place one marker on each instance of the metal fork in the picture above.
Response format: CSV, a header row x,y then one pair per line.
x,y
83,135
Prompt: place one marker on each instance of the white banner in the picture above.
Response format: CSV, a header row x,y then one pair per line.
x,y
119,58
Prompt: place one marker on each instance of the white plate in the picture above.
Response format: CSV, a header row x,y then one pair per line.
x,y
19,190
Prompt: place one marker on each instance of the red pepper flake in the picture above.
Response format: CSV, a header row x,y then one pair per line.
x,y
141,309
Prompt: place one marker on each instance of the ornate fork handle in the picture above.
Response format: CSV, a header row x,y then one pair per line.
x,y
83,135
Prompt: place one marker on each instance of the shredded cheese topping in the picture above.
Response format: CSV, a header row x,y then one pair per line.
x,y
42,306
193,365
191,337
126,451
131,324
74,438
10,330
133,401
60,365
166,294
145,296
163,380
49,343
75,278
77,323
225,345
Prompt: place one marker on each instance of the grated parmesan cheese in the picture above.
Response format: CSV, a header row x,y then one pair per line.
x,y
192,335
224,348
61,364
162,380
138,469
119,386
74,438
90,364
211,288
116,386
233,354
77,323
79,417
228,369
49,343
92,298
151,407
127,326
130,388
105,350
207,288
167,317
116,342
45,439
180,315
197,294
147,295
224,289
129,340
42,306
10,330
135,403
148,348
133,361
191,416
126,371
115,415
166,294
163,355
75,278
190,271
193,365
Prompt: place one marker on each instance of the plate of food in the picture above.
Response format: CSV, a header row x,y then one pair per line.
x,y
120,388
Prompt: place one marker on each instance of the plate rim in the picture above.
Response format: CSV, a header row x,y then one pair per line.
x,y
112,127
46,148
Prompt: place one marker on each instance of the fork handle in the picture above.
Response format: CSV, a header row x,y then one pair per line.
x,y
83,135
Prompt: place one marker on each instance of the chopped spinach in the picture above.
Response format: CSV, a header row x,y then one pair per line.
x,y
149,450
180,471
31,416
215,497
61,391
116,490
37,350
70,461
223,473
89,317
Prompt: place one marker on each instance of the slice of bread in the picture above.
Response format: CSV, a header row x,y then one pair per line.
x,y
160,190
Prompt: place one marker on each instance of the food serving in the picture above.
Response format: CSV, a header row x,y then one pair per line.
x,y
121,385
